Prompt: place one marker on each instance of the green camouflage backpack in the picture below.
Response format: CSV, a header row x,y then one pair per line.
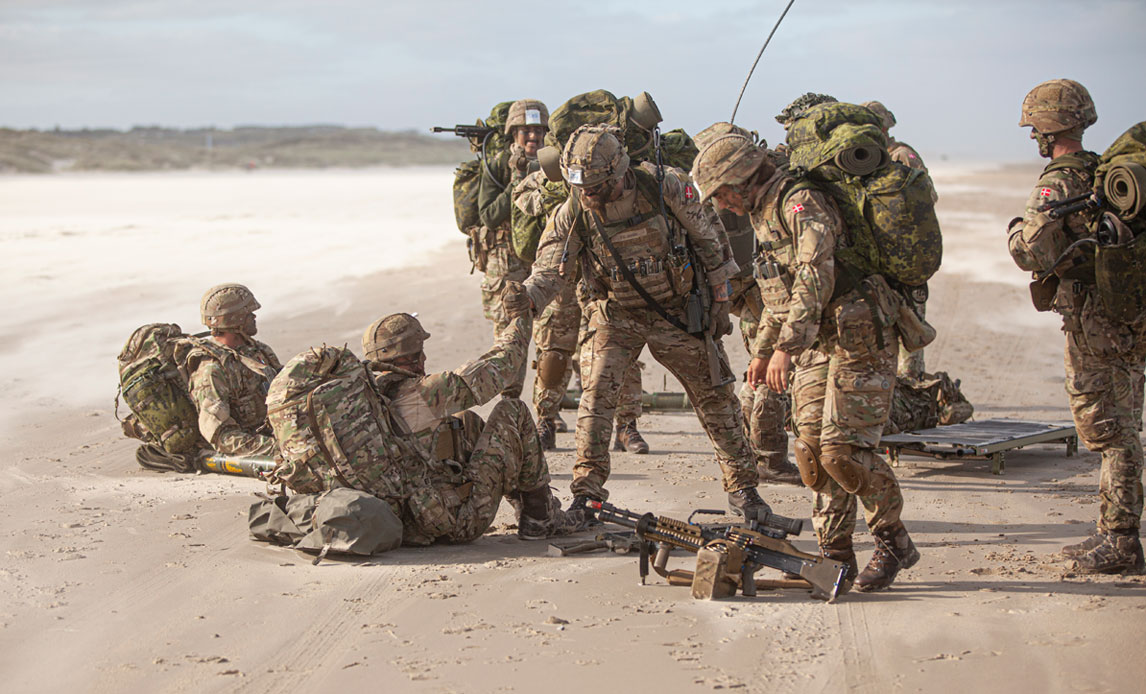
x,y
887,206
468,175
1120,258
334,429
527,228
600,106
155,389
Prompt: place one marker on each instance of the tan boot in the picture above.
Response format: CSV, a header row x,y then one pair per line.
x,y
1117,553
778,471
547,432
629,439
894,551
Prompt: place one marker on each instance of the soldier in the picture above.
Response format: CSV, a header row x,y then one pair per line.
x,y
911,364
1104,357
229,374
526,124
476,462
613,226
818,317
765,412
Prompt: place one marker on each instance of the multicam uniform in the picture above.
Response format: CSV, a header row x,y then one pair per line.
x,y
621,324
229,389
845,360
1104,357
472,464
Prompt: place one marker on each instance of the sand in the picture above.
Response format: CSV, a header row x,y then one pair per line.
x,y
115,579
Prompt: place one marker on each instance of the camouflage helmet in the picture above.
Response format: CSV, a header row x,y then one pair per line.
x,y
526,112
801,105
1056,106
594,154
228,307
886,117
393,337
706,136
728,160
645,113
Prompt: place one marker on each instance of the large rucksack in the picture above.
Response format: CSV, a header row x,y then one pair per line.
x,y
154,386
889,212
334,429
602,107
1120,256
467,177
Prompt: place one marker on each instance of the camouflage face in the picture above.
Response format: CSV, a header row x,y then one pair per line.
x,y
394,337
529,138
1056,106
229,308
594,155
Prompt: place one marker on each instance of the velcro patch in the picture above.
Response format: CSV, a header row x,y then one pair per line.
x,y
1045,192
689,193
797,207
532,116
574,176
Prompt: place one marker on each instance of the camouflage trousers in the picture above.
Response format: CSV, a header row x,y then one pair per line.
x,y
504,457
559,329
1104,380
613,341
765,412
502,266
843,396
911,364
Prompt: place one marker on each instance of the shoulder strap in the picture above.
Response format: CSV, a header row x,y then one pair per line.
x,y
1082,161
631,279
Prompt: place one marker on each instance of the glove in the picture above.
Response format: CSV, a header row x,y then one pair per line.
x,y
719,323
517,159
516,302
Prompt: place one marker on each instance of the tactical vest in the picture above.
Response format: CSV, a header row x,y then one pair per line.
x,y
644,243
776,249
248,405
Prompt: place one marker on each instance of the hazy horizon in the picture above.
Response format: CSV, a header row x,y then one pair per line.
x,y
953,73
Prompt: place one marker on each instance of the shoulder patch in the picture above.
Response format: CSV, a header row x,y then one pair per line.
x,y
689,192
1045,192
797,207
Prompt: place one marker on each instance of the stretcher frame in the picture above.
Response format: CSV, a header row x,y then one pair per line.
x,y
989,439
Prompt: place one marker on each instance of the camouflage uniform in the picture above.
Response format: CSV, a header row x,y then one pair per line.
x,y
617,333
472,464
842,386
229,389
1104,358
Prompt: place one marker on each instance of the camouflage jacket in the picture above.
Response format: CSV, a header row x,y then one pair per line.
x,y
566,236
797,233
495,198
426,402
1038,241
229,389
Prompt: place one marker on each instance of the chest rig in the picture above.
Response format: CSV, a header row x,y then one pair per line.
x,y
775,252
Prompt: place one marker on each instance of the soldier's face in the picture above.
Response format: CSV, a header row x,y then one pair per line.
x,y
596,197
529,137
729,199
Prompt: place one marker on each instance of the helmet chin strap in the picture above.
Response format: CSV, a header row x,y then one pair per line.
x,y
1046,145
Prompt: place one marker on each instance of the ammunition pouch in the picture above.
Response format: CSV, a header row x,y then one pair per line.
x,y
1120,274
551,368
1043,292
915,333
482,239
812,473
839,462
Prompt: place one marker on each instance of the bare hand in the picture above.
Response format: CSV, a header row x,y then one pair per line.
x,y
778,368
756,371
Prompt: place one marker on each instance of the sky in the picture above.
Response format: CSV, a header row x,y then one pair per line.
x,y
954,73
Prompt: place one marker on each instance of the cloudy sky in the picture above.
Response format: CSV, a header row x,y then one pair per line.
x,y
953,72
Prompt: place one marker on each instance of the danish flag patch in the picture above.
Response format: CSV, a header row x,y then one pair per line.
x,y
1045,192
689,194
797,207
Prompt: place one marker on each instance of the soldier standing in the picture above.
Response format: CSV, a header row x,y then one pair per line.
x,y
1104,357
229,374
615,227
526,125
842,387
472,463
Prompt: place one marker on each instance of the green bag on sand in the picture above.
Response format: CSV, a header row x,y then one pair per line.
x,y
334,429
155,389
929,401
340,521
889,211
467,176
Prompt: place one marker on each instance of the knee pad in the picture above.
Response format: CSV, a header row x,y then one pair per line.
x,y
551,367
808,460
839,461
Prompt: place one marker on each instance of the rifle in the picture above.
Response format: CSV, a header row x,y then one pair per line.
x,y
728,556
478,132
1078,203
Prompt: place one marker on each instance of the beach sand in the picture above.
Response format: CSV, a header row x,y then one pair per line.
x,y
116,579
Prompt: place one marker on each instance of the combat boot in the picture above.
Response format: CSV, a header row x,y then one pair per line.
x,y
547,432
894,551
779,471
747,502
541,517
1117,553
579,512
1077,550
559,425
629,439
840,551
